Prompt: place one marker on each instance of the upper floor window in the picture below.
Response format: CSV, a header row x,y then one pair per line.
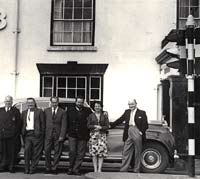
x,y
186,8
72,22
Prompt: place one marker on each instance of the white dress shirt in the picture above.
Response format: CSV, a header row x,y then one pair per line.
x,y
132,117
30,120
54,110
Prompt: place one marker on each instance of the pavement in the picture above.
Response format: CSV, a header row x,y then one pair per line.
x,y
119,175
179,171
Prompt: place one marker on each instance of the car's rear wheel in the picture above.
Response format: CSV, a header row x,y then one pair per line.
x,y
154,158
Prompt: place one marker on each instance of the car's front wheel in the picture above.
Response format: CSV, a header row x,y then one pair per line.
x,y
154,158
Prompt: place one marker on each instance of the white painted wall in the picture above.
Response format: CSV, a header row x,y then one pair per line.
x,y
128,35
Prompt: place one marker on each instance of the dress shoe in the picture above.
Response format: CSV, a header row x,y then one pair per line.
x,y
11,170
31,171
55,172
26,172
70,172
48,171
77,173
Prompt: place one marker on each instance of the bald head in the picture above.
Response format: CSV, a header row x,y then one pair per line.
x,y
8,101
132,104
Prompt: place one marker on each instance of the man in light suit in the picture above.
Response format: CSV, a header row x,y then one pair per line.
x,y
134,133
55,133
33,134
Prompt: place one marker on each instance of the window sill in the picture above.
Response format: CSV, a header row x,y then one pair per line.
x,y
72,48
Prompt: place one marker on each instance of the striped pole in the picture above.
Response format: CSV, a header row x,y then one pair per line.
x,y
191,94
182,51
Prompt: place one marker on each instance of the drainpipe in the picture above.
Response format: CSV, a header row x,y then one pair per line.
x,y
16,32
159,102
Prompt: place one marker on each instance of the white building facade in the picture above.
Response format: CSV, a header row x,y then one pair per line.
x,y
103,50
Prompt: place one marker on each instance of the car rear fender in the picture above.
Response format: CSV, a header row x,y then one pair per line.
x,y
164,139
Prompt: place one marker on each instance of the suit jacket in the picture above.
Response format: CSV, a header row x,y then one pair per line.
x,y
10,123
103,122
140,121
59,124
77,123
39,122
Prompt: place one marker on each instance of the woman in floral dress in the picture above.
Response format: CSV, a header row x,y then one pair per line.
x,y
98,125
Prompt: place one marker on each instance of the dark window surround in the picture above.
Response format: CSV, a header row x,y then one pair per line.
x,y
70,69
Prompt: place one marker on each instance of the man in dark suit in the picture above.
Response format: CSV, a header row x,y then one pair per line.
x,y
55,132
134,133
33,133
78,134
10,128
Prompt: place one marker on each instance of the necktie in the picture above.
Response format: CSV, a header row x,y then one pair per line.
x,y
29,116
53,115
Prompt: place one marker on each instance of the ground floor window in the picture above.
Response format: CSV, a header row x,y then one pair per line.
x,y
72,86
71,80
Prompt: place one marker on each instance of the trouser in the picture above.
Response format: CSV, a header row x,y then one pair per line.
x,y
133,145
77,149
50,143
33,150
8,153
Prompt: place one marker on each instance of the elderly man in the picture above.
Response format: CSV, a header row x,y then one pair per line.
x,y
134,132
10,127
33,133
55,133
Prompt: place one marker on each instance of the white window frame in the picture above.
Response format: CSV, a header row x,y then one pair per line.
x,y
43,87
91,21
66,89
90,88
189,7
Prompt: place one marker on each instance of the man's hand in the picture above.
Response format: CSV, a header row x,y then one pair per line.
x,y
97,127
61,139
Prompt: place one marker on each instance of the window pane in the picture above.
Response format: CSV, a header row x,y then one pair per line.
x,y
58,13
62,93
68,13
58,37
80,82
68,37
71,93
48,82
184,12
87,37
77,26
77,3
77,37
81,92
62,82
194,11
71,83
77,13
68,3
68,26
95,83
58,26
94,94
47,92
194,2
87,14
87,27
87,3
184,2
